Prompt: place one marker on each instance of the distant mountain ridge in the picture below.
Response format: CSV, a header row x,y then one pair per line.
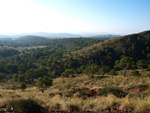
x,y
57,35
32,37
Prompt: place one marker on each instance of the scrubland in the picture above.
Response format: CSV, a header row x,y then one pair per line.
x,y
74,94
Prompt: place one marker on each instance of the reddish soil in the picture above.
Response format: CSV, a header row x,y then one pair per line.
x,y
90,93
137,90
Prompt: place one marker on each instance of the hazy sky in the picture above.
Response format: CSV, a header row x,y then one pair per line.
x,y
74,16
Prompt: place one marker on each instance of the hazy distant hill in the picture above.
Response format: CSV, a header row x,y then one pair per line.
x,y
57,35
104,36
43,34
31,37
5,37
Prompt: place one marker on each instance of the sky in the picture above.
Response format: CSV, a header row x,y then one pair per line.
x,y
74,16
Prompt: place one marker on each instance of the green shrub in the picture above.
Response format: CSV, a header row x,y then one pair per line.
x,y
148,66
135,73
44,83
68,72
112,72
72,75
23,86
26,106
108,90
141,64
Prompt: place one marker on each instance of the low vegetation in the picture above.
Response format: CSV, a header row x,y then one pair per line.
x,y
25,106
83,93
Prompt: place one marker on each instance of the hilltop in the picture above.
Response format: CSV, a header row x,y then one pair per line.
x,y
107,52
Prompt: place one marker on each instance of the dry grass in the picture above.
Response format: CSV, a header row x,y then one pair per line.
x,y
55,97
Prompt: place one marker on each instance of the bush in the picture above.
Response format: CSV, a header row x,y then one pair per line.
x,y
21,78
135,73
148,66
72,75
23,86
44,83
26,106
141,64
112,72
117,92
68,72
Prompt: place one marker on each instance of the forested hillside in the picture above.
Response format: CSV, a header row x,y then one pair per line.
x,y
35,60
8,52
106,54
63,57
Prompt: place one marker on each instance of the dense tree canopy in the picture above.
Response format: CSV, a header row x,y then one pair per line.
x,y
44,83
56,57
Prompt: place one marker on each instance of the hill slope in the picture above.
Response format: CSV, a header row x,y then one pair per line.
x,y
136,46
61,55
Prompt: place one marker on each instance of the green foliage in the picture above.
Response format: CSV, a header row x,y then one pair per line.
x,y
8,52
15,77
21,78
108,90
44,83
112,72
35,73
33,62
148,66
58,55
92,69
12,68
23,86
125,63
26,106
68,72
2,76
136,73
72,75
103,70
141,64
